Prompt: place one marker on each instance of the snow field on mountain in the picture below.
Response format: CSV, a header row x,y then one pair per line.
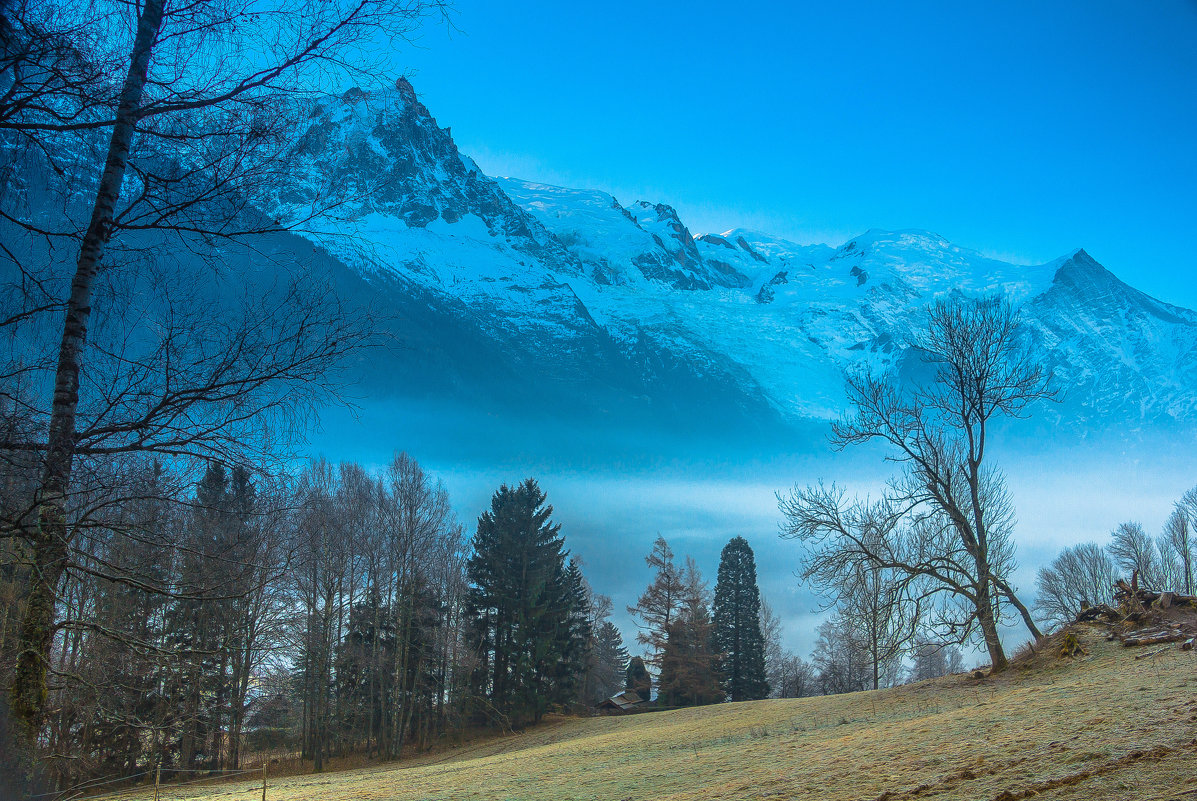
x,y
546,269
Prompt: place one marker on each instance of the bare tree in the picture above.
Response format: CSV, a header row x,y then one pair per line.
x,y
1178,550
1080,577
322,562
877,591
875,602
931,659
771,632
260,608
795,678
418,518
1188,506
789,676
1135,554
195,131
955,506
839,659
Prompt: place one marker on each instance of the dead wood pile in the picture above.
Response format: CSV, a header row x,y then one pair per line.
x,y
1145,617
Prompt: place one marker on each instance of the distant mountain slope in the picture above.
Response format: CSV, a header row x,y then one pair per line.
x,y
805,312
1120,354
481,297
515,300
633,245
584,305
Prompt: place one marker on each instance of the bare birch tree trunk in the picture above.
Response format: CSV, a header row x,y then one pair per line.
x,y
52,537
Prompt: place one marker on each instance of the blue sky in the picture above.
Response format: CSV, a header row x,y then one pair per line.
x,y
1023,130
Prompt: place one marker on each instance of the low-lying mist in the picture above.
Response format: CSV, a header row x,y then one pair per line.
x,y
615,489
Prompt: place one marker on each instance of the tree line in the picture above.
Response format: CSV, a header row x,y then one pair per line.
x,y
1083,576
331,612
704,649
143,339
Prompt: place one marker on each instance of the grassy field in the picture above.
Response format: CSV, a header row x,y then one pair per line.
x,y
1102,726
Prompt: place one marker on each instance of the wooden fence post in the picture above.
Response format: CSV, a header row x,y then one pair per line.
x,y
263,780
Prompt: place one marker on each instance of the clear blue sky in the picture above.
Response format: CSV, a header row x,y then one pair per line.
x,y
1021,129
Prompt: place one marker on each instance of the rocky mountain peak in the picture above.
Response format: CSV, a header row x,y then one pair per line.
x,y
385,154
661,220
545,269
1078,263
405,89
1080,280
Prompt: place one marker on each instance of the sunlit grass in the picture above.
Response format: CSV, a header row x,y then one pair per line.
x,y
1103,726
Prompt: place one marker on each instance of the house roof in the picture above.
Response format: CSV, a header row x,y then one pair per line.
x,y
624,700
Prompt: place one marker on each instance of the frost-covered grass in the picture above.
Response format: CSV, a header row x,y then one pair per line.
x,y
1105,726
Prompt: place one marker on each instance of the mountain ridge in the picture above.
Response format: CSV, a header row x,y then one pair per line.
x,y
624,302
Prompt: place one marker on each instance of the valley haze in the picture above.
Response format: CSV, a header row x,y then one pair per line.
x,y
658,380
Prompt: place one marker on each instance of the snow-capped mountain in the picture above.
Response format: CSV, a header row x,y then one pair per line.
x,y
568,301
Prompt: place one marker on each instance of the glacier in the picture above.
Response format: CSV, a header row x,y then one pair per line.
x,y
569,303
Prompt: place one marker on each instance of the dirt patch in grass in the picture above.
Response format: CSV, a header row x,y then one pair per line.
x,y
1098,725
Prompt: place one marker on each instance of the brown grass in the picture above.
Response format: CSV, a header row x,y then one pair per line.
x,y
1099,726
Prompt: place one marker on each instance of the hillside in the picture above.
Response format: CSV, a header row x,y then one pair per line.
x,y
1103,726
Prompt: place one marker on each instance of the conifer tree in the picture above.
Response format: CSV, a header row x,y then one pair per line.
x,y
574,638
737,633
637,678
689,663
609,660
522,602
660,601
195,625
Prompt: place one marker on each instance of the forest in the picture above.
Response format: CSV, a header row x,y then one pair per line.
x,y
338,612
226,620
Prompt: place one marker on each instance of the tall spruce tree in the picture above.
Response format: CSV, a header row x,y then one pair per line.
x,y
195,623
737,635
574,639
609,658
523,604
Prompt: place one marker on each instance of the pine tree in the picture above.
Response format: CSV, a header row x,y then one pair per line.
x,y
609,659
195,624
574,639
689,663
522,601
637,678
737,635
660,601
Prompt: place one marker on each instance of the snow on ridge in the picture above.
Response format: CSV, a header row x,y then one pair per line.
x,y
811,310
783,319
